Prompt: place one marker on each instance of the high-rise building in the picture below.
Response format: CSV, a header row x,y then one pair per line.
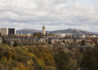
x,y
43,30
7,31
11,31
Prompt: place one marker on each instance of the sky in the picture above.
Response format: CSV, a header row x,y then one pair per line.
x,y
53,14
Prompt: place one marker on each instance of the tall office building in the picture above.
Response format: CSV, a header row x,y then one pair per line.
x,y
43,30
11,31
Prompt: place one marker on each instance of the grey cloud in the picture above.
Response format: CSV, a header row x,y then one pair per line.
x,y
51,13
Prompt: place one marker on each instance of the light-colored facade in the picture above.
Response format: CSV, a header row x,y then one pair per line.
x,y
43,30
4,31
60,35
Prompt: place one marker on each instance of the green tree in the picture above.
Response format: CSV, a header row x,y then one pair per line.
x,y
96,58
82,42
17,43
62,61
88,61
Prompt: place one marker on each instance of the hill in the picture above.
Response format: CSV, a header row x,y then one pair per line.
x,y
26,31
71,31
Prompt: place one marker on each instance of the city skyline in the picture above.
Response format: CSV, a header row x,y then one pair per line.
x,y
54,14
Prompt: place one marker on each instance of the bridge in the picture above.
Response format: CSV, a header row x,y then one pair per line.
x,y
81,47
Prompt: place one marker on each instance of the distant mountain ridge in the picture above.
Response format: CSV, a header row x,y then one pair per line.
x,y
70,31
26,31
73,31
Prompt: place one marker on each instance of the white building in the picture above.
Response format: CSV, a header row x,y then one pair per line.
x,y
60,35
4,31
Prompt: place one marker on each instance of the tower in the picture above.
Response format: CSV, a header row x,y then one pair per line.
x,y
43,30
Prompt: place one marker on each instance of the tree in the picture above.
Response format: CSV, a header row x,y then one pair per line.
x,y
62,61
88,59
17,43
82,42
96,57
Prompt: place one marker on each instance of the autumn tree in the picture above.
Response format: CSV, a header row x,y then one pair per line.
x,y
62,61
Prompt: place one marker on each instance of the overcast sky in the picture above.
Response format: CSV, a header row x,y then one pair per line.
x,y
54,14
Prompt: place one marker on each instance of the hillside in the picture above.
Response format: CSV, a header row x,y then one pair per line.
x,y
26,31
72,31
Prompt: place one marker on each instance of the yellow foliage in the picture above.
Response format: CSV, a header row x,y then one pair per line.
x,y
30,62
71,61
31,54
40,62
21,66
4,59
15,68
10,54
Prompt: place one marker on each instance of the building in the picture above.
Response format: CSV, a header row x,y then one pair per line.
x,y
4,31
11,31
1,40
60,35
7,31
43,30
